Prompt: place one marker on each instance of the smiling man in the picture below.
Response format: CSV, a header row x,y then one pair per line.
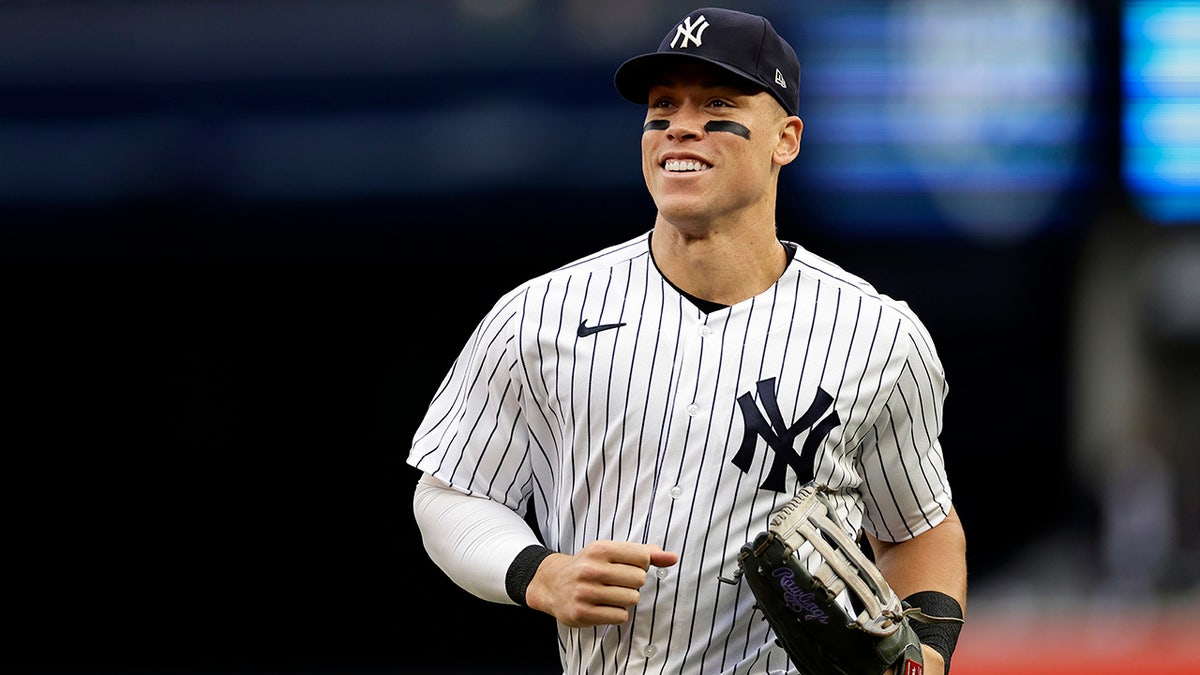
x,y
661,399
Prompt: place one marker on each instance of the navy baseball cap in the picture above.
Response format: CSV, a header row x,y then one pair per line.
x,y
745,45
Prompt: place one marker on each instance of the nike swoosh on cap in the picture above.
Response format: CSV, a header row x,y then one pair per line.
x,y
586,330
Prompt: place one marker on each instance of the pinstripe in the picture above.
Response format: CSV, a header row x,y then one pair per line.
x,y
629,433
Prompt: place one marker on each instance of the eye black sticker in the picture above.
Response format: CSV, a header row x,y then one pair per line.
x,y
731,127
714,125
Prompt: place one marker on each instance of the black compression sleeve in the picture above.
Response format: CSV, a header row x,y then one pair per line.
x,y
942,637
521,571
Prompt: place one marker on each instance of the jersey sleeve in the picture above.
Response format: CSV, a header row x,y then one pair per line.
x,y
473,435
905,489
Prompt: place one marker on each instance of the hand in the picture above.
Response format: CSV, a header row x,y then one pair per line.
x,y
597,585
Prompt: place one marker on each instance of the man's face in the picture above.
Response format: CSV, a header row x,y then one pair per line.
x,y
710,149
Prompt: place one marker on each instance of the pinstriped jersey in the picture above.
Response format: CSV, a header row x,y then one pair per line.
x,y
624,412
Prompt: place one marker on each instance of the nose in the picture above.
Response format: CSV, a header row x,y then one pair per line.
x,y
685,124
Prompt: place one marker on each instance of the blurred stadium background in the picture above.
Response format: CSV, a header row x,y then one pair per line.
x,y
241,241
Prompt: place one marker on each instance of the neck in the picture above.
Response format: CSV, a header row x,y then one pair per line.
x,y
725,266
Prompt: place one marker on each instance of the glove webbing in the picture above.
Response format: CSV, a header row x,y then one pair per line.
x,y
809,519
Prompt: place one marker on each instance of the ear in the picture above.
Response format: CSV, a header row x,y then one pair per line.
x,y
788,145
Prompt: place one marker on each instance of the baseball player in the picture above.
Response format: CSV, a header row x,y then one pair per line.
x,y
659,398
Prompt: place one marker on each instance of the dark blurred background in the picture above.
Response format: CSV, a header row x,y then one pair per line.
x,y
241,242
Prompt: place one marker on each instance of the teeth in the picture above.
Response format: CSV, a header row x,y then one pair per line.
x,y
685,165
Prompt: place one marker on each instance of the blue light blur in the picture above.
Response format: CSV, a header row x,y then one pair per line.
x,y
923,118
934,117
1161,109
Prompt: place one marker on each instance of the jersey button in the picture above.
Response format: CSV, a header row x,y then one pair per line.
x,y
676,492
649,650
693,410
661,573
705,331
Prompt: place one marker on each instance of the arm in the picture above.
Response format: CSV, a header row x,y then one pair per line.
x,y
932,561
472,539
476,541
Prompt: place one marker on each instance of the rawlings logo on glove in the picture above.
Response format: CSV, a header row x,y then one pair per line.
x,y
796,598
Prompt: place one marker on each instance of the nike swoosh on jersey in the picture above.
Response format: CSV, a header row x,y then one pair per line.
x,y
586,330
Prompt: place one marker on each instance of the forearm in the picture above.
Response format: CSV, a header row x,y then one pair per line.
x,y
472,539
930,571
933,561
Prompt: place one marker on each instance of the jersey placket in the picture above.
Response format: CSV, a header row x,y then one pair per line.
x,y
674,485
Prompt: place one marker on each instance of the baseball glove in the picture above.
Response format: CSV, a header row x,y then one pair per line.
x,y
830,607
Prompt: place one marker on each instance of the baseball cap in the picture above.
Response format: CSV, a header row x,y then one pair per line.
x,y
745,45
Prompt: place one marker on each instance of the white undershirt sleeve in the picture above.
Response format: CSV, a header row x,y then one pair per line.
x,y
472,539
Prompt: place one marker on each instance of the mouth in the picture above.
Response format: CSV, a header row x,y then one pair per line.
x,y
685,166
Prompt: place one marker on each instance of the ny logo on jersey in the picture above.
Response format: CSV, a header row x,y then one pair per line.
x,y
690,32
780,437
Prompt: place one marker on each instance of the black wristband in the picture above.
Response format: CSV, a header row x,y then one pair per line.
x,y
941,637
521,571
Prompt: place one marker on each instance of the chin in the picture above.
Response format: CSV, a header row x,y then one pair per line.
x,y
680,208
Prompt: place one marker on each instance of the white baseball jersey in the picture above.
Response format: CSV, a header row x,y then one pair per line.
x,y
629,414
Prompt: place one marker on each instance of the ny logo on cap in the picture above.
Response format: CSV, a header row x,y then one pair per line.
x,y
690,32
